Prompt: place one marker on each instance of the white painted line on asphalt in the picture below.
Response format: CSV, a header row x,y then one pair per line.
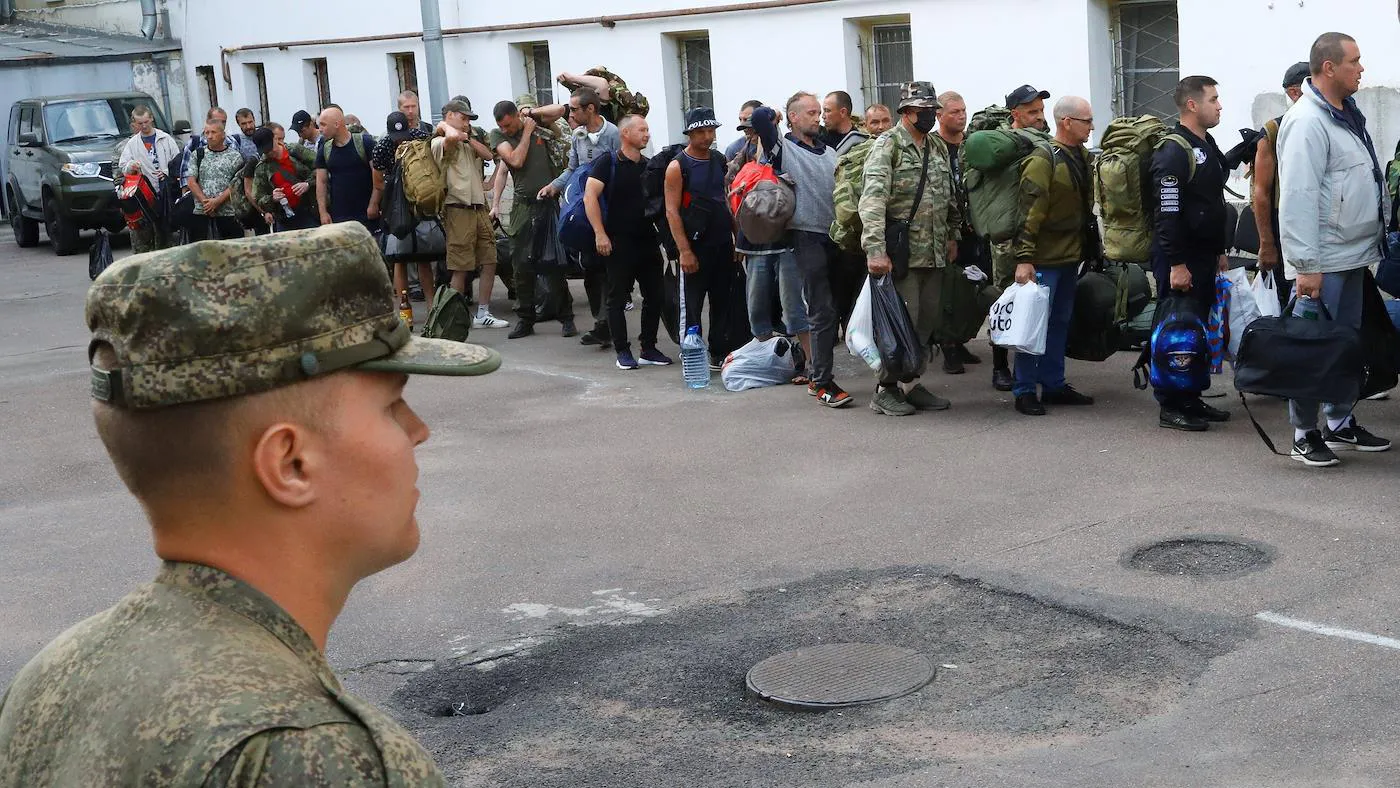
x,y
1323,629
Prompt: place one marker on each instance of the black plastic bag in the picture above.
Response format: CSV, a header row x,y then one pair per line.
x,y
545,249
901,347
400,220
100,255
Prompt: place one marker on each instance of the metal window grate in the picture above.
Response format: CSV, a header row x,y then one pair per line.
x,y
892,61
1148,57
406,70
321,82
697,82
538,74
208,85
257,75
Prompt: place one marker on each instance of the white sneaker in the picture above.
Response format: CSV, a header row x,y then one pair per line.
x,y
489,321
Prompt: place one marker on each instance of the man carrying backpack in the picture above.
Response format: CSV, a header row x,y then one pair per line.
x,y
594,136
811,164
1331,223
1027,106
344,180
471,241
1187,176
524,148
959,297
1058,234
284,182
908,180
1264,192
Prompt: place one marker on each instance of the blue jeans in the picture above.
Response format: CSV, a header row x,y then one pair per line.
x,y
1343,293
1049,370
767,271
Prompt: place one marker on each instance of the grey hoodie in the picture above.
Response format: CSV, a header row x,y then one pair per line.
x,y
1330,202
582,150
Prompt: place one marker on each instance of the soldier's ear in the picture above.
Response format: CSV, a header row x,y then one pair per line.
x,y
285,465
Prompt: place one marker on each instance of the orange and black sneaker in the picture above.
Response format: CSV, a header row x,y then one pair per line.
x,y
830,394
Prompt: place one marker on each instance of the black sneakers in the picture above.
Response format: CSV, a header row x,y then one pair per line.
x,y
1029,405
1001,379
1312,451
1068,395
523,328
952,360
1354,437
1177,420
1201,410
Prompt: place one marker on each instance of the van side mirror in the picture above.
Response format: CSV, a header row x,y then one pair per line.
x,y
27,140
182,127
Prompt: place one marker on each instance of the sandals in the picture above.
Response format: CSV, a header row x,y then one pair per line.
x,y
800,379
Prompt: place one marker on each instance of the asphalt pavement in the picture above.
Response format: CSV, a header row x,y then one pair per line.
x,y
617,548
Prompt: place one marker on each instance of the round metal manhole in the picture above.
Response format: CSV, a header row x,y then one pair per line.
x,y
1201,556
834,675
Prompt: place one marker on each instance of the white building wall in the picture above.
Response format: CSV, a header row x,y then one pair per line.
x,y
958,44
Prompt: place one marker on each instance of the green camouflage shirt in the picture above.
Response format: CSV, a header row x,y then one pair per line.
x,y
304,163
196,679
892,174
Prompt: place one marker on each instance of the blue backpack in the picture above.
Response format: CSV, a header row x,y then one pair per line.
x,y
1178,357
575,231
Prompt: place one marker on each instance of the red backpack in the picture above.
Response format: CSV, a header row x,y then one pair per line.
x,y
136,199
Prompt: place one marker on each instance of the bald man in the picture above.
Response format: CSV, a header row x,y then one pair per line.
x,y
345,190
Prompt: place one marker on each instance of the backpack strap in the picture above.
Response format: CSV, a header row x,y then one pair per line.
x,y
923,180
1190,153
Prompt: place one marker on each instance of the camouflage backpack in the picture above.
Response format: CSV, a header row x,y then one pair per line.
x,y
1120,184
623,100
1392,184
993,117
850,182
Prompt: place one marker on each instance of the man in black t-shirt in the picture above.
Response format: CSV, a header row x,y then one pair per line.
x,y
345,189
627,241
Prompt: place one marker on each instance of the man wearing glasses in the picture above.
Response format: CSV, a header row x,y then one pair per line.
x,y
1059,233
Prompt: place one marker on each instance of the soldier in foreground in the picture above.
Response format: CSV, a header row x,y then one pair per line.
x,y
278,365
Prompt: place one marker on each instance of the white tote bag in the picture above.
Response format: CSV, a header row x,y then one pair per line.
x,y
860,331
1020,319
1265,289
1244,307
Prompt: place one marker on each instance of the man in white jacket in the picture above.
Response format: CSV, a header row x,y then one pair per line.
x,y
149,152
1330,221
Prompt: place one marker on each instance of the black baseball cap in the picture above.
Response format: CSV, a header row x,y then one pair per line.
x,y
300,120
1024,95
701,118
264,139
1296,73
396,127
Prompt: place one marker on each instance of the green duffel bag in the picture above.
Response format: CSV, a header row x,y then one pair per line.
x,y
992,173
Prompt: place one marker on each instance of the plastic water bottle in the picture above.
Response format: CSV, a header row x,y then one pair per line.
x,y
694,359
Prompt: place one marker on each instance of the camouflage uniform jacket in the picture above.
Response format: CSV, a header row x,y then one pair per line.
x,y
892,173
1058,206
304,161
196,679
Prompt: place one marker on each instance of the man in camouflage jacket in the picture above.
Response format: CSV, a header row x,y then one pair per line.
x,y
282,164
896,163
280,363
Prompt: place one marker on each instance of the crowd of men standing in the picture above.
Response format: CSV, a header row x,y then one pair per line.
x,y
804,285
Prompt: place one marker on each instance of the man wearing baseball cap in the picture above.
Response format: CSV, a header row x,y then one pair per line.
x,y
1027,105
306,128
1264,188
250,394
284,183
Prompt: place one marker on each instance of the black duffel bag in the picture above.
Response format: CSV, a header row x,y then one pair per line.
x,y
1299,359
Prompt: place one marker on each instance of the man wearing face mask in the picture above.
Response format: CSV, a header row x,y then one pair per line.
x,y
908,178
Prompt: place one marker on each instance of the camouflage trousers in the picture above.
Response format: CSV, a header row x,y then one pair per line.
x,y
148,238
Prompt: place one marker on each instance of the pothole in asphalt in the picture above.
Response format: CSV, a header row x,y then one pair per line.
x,y
663,701
1201,556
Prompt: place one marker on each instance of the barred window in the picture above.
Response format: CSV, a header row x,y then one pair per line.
x,y
697,82
890,65
539,79
1147,57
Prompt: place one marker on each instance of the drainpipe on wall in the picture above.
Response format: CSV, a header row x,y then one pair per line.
x,y
437,62
7,10
148,19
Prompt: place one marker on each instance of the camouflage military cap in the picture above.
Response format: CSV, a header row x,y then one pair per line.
x,y
225,318
918,94
526,100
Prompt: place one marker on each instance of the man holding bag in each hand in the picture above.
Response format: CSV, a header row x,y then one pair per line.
x,y
907,202
1058,235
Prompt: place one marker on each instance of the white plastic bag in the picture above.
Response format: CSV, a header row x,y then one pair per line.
x,y
1244,307
860,330
759,363
1265,290
1020,319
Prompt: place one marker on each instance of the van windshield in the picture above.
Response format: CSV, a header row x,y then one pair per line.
x,y
73,120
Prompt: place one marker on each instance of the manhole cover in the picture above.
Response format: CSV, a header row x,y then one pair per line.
x,y
833,675
1201,556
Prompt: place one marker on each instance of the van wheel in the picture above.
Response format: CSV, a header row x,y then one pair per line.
x,y
26,229
62,234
